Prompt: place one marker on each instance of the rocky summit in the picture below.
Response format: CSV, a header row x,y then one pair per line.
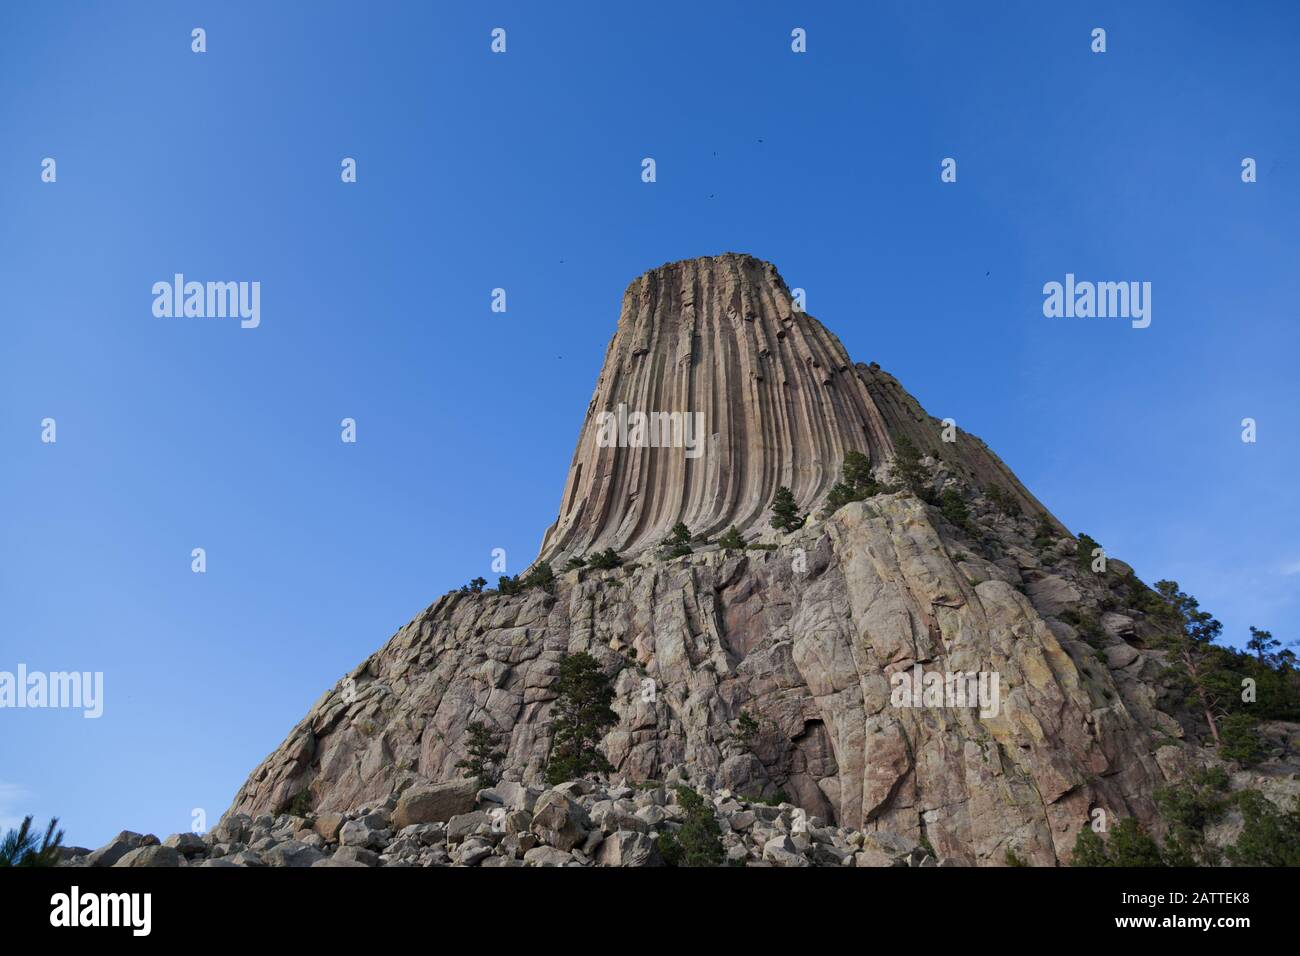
x,y
801,680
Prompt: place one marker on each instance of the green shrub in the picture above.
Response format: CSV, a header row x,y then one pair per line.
x,y
1003,500
678,542
747,727
954,508
605,560
299,805
1089,849
1188,808
1269,836
732,540
1239,739
1083,552
540,576
699,840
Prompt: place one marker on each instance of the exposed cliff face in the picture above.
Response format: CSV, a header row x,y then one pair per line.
x,y
776,396
805,638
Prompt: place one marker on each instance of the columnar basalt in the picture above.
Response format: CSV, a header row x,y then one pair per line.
x,y
780,402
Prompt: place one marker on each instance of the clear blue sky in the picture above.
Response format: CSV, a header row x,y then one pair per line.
x,y
523,171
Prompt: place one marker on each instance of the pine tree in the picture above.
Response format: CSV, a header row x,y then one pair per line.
x,y
1089,849
605,560
699,841
582,712
1190,648
541,576
1131,845
732,540
1269,836
857,470
911,471
1262,644
1189,807
678,541
785,512
21,847
483,755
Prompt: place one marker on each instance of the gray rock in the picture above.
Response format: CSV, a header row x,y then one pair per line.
x,y
629,848
293,854
187,844
115,849
434,804
152,855
547,856
462,826
559,821
356,855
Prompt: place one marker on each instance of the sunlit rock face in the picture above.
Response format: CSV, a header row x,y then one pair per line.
x,y
740,393
809,637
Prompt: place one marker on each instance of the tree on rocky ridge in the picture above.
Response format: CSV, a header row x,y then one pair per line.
x,y
483,757
785,511
582,712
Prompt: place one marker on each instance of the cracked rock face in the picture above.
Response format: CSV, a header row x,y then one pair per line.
x,y
807,637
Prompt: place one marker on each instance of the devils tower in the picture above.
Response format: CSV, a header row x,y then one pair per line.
x,y
779,399
770,672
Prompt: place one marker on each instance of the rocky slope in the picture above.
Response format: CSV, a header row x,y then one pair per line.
x,y
579,823
803,635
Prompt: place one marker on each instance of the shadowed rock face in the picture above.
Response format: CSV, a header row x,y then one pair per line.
x,y
776,395
806,638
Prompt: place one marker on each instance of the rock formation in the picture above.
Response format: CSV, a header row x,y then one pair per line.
x,y
779,400
803,635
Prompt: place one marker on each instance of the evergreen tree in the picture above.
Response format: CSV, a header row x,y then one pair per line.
x,y
582,712
699,841
483,755
605,560
911,471
1188,808
1269,836
1089,849
541,576
1262,644
785,512
678,541
954,508
857,471
732,540
1083,553
22,847
1131,845
574,563
1240,739
1190,653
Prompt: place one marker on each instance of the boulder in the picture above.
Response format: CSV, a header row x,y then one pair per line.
x,y
434,804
